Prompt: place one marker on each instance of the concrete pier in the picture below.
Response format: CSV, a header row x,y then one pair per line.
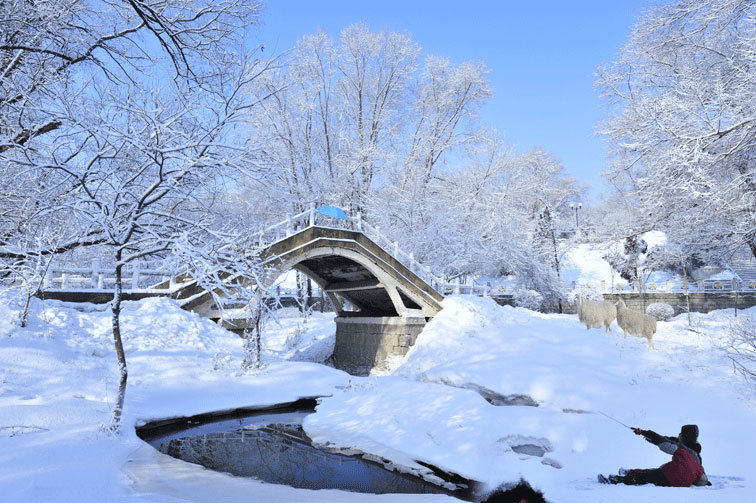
x,y
364,343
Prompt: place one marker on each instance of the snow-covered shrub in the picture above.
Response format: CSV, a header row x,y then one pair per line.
x,y
741,346
660,311
10,310
529,299
584,291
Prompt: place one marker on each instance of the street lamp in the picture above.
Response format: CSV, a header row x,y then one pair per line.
x,y
576,207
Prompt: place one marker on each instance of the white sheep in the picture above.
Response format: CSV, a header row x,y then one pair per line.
x,y
635,323
596,313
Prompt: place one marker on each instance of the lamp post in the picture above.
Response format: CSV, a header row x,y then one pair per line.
x,y
576,207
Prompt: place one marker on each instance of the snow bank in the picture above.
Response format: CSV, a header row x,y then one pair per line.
x,y
576,376
58,378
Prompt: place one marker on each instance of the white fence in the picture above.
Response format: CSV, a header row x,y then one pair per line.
x,y
95,278
678,286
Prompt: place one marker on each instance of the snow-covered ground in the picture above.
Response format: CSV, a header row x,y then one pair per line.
x,y
58,380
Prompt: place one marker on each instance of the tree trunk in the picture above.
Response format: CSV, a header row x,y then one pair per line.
x,y
29,295
301,299
308,302
557,266
252,336
687,289
32,291
116,320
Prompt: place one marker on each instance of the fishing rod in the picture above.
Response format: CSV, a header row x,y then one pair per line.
x,y
616,421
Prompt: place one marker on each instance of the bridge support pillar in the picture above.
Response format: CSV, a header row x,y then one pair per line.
x,y
364,343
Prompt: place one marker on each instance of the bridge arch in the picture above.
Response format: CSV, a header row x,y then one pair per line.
x,y
347,265
346,274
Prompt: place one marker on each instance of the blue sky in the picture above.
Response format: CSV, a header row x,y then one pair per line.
x,y
542,56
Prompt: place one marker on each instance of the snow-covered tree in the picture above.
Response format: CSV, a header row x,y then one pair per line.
x,y
501,214
548,191
142,171
682,98
117,122
54,48
741,347
358,111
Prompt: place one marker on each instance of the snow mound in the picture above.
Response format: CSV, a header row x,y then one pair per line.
x,y
514,351
298,338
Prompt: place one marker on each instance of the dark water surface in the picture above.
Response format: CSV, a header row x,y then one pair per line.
x,y
274,448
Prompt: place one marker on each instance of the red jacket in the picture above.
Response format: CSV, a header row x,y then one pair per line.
x,y
684,469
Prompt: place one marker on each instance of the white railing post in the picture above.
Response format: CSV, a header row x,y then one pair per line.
x,y
312,214
396,249
63,280
95,273
135,278
359,221
456,285
667,286
412,261
288,225
701,288
261,239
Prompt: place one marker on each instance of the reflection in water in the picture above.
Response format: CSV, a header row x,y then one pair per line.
x,y
281,454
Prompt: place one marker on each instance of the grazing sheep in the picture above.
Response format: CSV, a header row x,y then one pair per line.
x,y
635,323
596,313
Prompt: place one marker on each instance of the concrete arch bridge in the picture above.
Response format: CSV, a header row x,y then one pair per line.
x,y
382,296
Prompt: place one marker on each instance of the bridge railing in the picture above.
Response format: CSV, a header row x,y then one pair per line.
x,y
95,278
311,218
407,259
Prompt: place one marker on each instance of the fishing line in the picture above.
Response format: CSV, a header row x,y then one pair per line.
x,y
615,420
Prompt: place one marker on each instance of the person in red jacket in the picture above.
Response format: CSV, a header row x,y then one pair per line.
x,y
684,470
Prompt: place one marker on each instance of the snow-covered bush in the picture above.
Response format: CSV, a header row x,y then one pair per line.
x,y
585,292
9,317
741,346
660,311
529,299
